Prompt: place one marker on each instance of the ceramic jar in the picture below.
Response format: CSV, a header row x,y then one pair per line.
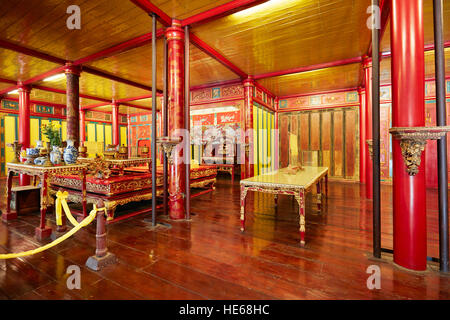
x,y
70,153
55,155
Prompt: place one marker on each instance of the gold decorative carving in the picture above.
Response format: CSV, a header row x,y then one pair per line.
x,y
413,141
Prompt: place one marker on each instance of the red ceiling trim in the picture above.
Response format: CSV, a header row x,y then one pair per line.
x,y
149,7
309,68
221,11
45,103
216,55
216,84
124,46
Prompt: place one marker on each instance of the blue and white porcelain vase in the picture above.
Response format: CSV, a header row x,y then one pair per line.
x,y
70,153
55,156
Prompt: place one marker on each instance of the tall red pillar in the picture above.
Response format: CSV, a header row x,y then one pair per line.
x,y
362,136
368,127
177,170
24,125
73,103
115,124
408,110
248,110
82,125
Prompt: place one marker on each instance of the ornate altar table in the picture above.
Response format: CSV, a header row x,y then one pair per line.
x,y
45,174
112,191
283,182
121,164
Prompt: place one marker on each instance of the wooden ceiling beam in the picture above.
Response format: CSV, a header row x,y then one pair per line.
x,y
216,55
221,11
149,7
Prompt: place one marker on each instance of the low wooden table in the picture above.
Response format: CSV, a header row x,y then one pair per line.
x,y
45,174
281,182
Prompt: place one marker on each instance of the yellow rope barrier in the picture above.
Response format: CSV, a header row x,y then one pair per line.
x,y
60,202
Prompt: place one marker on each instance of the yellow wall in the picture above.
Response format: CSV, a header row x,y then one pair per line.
x,y
263,123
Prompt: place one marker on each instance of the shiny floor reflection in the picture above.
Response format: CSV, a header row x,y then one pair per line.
x,y
209,258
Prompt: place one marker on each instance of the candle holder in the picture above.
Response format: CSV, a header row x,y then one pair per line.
x,y
82,150
144,152
17,147
168,144
413,141
123,152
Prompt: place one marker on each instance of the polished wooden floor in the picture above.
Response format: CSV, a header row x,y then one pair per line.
x,y
209,258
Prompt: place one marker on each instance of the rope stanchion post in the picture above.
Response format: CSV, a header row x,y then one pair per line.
x,y
102,257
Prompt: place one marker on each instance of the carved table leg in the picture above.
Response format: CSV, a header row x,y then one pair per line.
x,y
301,203
326,186
276,199
102,257
8,215
43,231
319,195
243,196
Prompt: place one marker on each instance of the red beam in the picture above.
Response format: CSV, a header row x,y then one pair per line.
x,y
317,93
309,68
50,104
30,52
134,98
61,91
8,81
6,90
216,55
93,106
149,7
124,46
221,11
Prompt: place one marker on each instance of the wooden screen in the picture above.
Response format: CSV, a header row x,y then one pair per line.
x,y
333,132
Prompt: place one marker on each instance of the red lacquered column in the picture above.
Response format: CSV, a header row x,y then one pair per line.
x,y
408,110
24,125
276,136
73,103
115,124
362,136
82,126
177,170
368,127
248,106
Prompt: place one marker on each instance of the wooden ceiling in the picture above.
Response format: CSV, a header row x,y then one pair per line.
x,y
273,36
